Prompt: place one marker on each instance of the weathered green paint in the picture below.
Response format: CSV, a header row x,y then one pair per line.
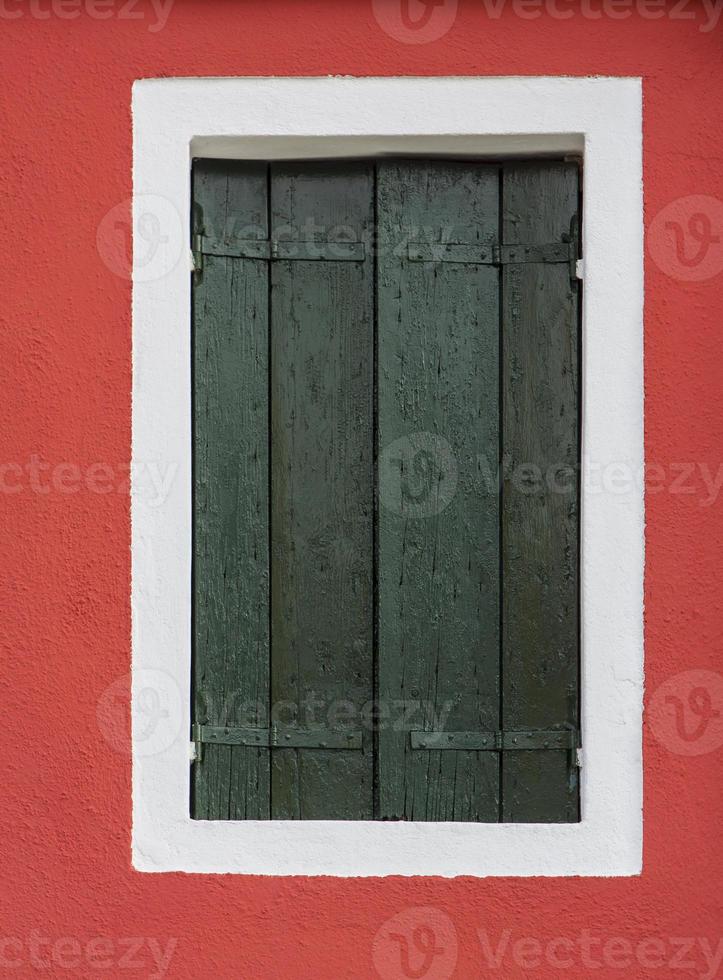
x,y
350,537
230,495
322,383
438,525
540,499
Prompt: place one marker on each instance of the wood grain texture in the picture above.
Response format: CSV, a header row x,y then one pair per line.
x,y
540,501
438,532
230,495
322,384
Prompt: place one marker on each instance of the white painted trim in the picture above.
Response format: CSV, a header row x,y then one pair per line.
x,y
275,117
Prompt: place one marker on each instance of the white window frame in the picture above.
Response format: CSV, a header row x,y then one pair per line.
x,y
267,118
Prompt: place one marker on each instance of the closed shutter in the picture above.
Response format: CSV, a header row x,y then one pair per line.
x,y
283,491
386,449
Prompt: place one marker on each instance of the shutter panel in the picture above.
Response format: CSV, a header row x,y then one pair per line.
x,y
283,490
230,494
438,536
322,384
540,367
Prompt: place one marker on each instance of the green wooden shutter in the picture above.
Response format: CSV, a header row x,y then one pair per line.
x,y
283,490
353,543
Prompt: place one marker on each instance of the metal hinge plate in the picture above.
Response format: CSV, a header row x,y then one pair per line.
x,y
276,737
498,741
558,252
271,249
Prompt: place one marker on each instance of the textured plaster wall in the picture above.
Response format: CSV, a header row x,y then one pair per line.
x,y
71,905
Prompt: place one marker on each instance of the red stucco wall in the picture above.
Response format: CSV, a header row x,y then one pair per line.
x,y
71,904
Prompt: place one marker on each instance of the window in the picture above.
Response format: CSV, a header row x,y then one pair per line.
x,y
386,503
177,120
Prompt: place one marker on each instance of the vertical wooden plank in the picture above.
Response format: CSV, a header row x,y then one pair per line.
x,y
230,492
438,443
322,374
540,493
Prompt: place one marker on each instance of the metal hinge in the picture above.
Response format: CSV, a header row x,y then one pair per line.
x,y
561,253
497,741
197,252
572,238
196,735
275,737
558,252
272,250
